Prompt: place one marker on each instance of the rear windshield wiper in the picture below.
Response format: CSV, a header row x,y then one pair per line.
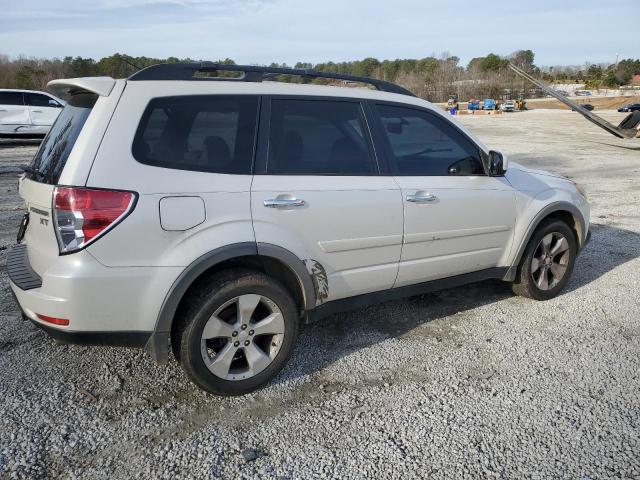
x,y
32,171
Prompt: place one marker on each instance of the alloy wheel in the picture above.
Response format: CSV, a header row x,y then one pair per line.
x,y
550,261
242,337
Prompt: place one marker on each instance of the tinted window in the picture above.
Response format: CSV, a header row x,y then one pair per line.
x,y
313,137
56,147
11,98
38,100
200,133
421,143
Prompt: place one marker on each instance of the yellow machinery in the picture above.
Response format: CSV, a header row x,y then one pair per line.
x,y
452,103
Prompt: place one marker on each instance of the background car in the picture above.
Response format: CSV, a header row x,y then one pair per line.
x,y
27,113
586,106
630,107
489,104
508,106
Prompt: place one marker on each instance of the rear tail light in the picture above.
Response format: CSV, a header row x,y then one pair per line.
x,y
81,215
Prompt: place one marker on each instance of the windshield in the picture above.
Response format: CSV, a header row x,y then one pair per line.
x,y
55,148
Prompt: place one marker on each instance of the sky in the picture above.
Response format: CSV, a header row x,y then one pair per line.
x,y
560,32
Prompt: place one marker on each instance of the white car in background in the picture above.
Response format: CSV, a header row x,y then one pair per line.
x,y
27,113
508,106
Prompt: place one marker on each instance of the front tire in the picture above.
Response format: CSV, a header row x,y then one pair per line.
x,y
236,332
547,263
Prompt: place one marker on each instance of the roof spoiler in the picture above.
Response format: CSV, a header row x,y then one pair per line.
x,y
626,129
66,87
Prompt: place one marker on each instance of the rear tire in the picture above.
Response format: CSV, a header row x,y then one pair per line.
x,y
236,332
547,262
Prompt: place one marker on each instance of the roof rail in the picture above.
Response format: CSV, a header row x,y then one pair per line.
x,y
186,71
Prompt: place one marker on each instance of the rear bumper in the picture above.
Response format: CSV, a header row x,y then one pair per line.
x,y
104,305
112,339
19,269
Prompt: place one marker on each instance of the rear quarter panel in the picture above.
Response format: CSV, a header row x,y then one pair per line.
x,y
140,239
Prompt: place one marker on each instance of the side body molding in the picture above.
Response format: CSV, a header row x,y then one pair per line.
x,y
542,214
158,343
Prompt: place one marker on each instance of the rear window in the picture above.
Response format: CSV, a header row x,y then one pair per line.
x,y
205,133
11,98
39,100
55,148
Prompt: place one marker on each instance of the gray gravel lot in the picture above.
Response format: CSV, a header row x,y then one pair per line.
x,y
470,382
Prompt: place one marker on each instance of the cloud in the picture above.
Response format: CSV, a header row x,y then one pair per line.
x,y
259,31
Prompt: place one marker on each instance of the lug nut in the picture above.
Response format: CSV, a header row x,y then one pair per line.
x,y
246,343
244,327
251,332
235,344
234,334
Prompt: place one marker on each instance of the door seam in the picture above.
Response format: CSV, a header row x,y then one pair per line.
x,y
395,281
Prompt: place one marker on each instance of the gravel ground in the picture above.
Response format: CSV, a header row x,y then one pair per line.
x,y
470,382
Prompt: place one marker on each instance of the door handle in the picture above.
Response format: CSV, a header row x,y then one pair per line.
x,y
36,111
421,197
284,201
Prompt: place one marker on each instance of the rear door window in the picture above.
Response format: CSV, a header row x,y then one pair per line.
x,y
206,133
11,98
55,148
39,100
318,137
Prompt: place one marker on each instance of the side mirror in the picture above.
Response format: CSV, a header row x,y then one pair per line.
x,y
54,104
497,164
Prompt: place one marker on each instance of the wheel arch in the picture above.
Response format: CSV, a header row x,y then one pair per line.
x,y
273,260
562,210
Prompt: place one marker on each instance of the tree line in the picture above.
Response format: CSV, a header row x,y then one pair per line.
x,y
434,78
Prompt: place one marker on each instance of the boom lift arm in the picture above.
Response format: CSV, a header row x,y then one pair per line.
x,y
628,128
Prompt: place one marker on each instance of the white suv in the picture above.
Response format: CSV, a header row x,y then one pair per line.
x,y
508,106
182,208
27,113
